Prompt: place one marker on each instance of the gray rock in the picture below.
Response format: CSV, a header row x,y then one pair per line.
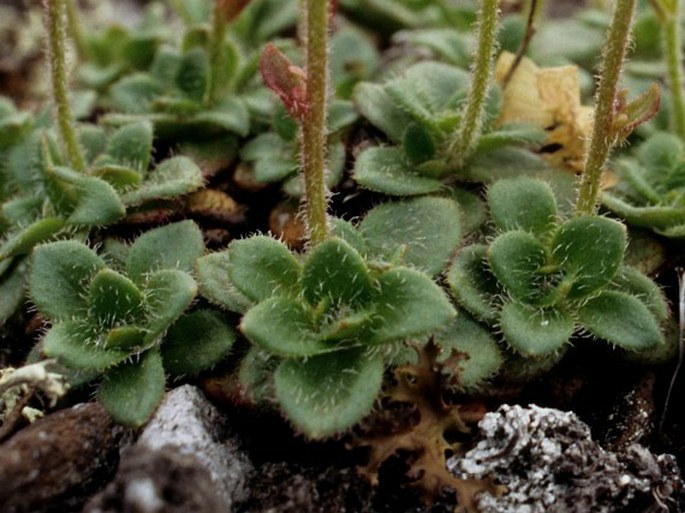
x,y
184,460
548,462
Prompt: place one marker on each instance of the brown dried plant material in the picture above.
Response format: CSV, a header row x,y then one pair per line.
x,y
216,205
550,99
423,435
231,9
287,225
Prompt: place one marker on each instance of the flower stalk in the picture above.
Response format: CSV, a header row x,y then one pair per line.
x,y
313,128
669,13
464,143
55,24
604,137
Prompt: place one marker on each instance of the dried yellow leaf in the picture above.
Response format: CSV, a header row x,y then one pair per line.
x,y
550,99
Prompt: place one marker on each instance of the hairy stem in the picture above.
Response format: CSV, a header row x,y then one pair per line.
x,y
466,140
75,30
55,25
673,50
603,134
216,41
313,130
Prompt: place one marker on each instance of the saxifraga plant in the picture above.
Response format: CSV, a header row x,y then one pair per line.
x,y
325,324
544,278
128,326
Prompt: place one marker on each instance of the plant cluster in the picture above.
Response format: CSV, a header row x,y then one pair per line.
x,y
476,247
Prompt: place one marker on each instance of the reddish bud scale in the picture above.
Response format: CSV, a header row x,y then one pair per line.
x,y
285,79
229,10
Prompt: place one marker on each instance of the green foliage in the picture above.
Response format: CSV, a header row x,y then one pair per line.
x,y
326,316
543,278
421,111
652,193
114,323
327,322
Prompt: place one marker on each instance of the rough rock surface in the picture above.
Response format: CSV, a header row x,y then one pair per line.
x,y
548,461
56,463
184,460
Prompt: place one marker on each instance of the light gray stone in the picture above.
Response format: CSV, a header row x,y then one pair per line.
x,y
184,460
549,463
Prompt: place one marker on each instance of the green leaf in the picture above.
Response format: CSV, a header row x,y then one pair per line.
x,y
662,151
523,203
168,293
119,177
327,394
285,327
134,93
59,278
214,276
418,143
132,391
11,291
97,203
348,328
387,170
193,70
130,146
622,320
423,232
174,246
346,231
262,267
376,105
335,272
173,177
24,241
481,356
535,332
472,284
197,341
76,346
590,249
256,374
660,217
639,285
114,299
408,304
516,259
125,338
509,135
473,211
230,114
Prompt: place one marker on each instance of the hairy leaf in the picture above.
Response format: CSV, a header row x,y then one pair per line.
x,y
590,249
132,391
214,276
261,267
422,232
535,332
408,303
523,203
388,170
285,327
59,278
175,246
196,342
622,320
335,272
327,394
